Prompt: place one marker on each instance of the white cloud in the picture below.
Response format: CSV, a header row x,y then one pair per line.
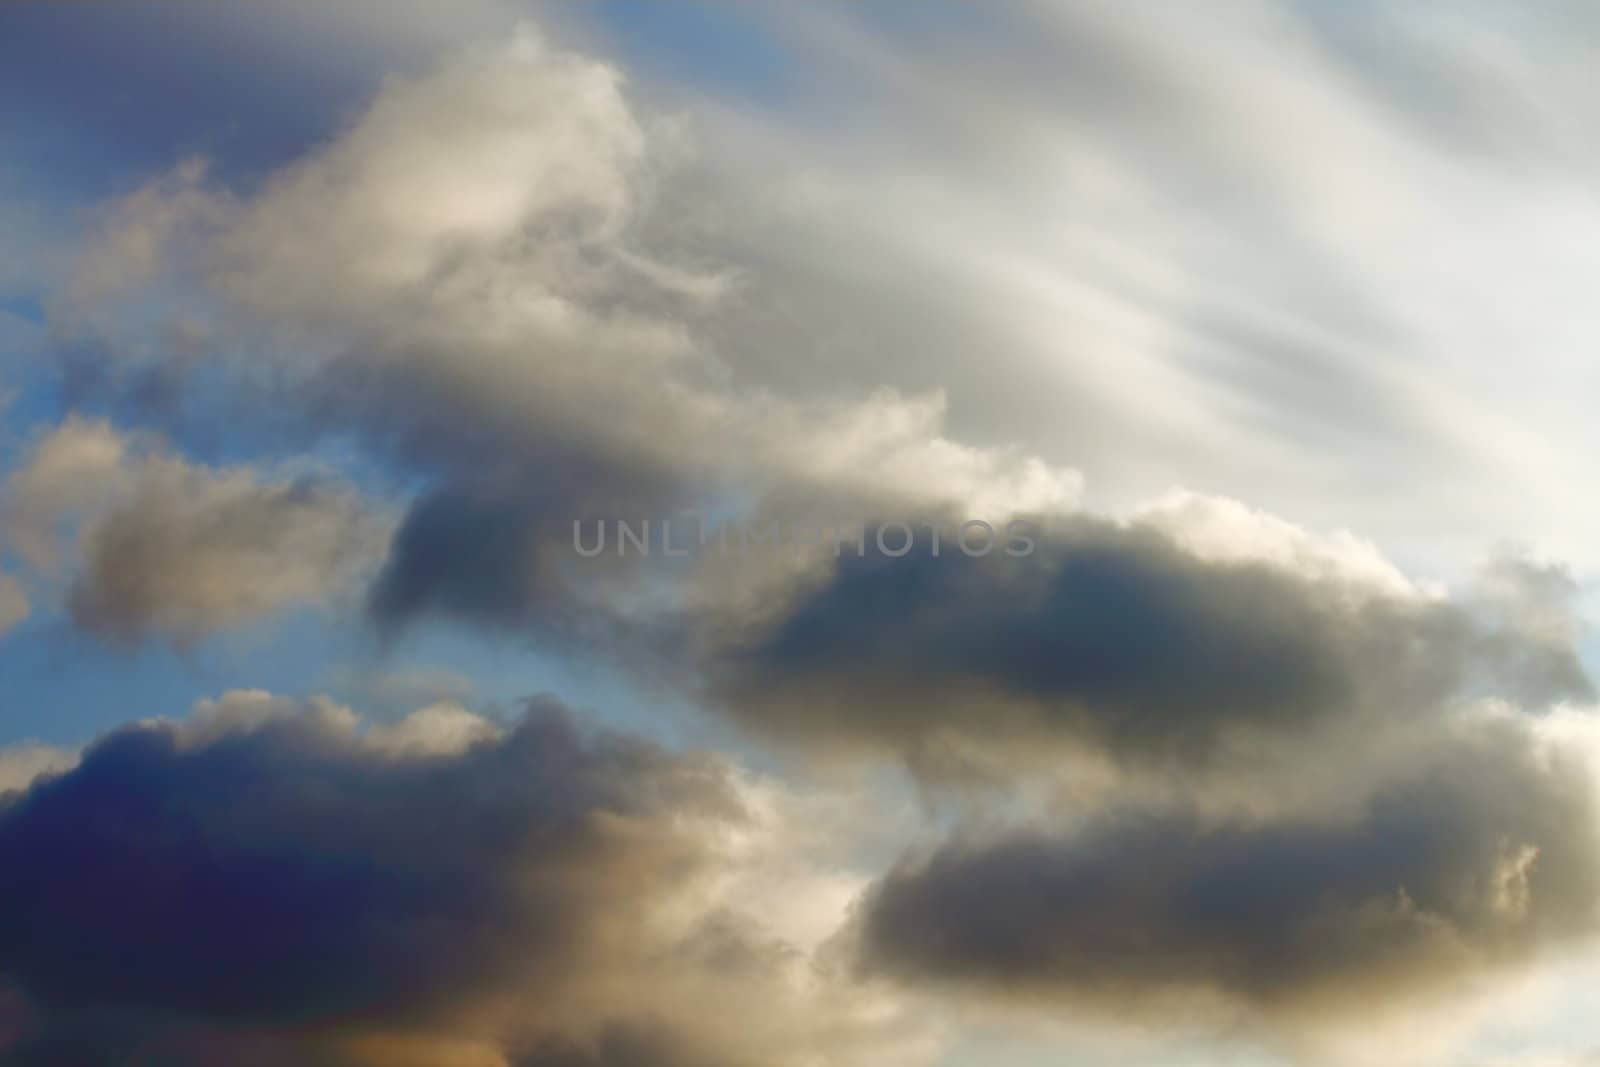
x,y
23,761
436,730
492,250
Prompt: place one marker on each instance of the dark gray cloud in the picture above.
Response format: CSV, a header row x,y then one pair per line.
x,y
96,1037
119,1038
1475,859
619,1045
1115,634
287,884
498,551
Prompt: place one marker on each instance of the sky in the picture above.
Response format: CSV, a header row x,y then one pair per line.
x,y
1115,554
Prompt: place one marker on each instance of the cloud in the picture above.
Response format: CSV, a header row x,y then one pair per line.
x,y
267,879
498,551
438,729
389,688
23,761
619,1046
1059,218
532,298
521,322
1476,858
273,871
1114,635
156,546
14,606
1087,257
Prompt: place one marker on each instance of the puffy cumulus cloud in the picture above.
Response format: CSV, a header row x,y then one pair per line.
x,y
438,729
507,145
527,317
1538,600
1116,635
23,761
1474,858
155,546
1224,530
243,711
267,881
68,472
